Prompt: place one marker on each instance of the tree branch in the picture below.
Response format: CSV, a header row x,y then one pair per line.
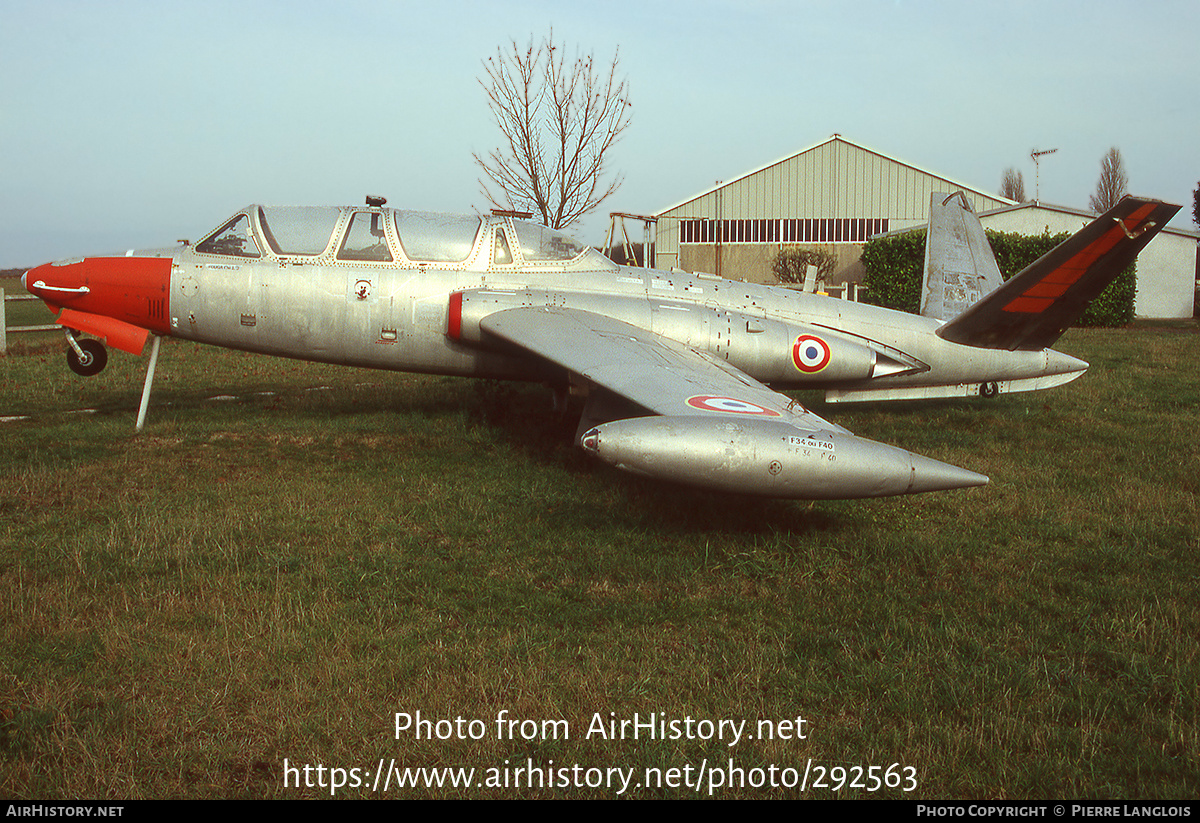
x,y
558,123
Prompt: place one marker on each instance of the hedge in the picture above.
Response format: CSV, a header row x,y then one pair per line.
x,y
895,266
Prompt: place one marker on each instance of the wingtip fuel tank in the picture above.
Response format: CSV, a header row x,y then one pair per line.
x,y
769,458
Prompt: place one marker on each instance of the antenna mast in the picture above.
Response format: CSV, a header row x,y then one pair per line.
x,y
1036,155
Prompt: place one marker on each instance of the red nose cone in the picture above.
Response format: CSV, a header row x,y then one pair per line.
x,y
131,289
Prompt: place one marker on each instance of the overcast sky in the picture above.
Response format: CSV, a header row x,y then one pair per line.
x,y
133,124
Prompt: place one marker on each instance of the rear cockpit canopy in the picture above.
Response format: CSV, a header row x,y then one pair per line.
x,y
541,244
437,238
373,235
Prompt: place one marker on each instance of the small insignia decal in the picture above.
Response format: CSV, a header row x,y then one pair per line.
x,y
810,353
729,405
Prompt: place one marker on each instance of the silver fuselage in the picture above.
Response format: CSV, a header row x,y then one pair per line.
x,y
398,315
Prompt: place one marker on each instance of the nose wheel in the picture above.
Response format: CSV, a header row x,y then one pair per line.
x,y
86,357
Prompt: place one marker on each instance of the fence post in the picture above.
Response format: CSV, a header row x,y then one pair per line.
x,y
3,327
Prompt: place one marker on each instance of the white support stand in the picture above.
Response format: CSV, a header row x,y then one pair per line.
x,y
149,380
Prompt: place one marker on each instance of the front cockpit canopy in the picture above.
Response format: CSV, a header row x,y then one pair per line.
x,y
298,230
234,239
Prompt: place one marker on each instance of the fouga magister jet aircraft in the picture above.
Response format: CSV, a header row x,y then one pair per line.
x,y
675,366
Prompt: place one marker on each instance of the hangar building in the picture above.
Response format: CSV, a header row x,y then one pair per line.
x,y
838,194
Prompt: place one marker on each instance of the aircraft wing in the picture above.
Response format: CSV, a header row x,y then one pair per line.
x,y
717,427
660,375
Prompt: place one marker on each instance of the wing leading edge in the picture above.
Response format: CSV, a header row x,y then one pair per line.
x,y
716,427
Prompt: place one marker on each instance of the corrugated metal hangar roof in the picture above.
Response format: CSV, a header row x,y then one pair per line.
x,y
836,178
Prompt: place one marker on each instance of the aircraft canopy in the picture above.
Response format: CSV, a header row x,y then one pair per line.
x,y
424,237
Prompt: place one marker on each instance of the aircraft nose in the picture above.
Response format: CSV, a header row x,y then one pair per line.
x,y
132,289
23,281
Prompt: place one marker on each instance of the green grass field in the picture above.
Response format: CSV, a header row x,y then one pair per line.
x,y
273,576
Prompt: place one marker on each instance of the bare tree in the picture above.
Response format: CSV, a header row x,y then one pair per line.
x,y
559,120
1196,205
1113,183
1012,185
791,264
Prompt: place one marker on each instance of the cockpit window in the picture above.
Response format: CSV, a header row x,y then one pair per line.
x,y
436,238
301,230
232,239
365,239
540,244
501,255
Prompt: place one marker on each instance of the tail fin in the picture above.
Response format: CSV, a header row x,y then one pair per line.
x,y
1033,309
959,265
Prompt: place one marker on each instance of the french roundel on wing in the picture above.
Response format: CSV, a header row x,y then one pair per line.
x,y
810,353
729,405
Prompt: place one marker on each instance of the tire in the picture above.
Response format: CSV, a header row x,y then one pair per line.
x,y
95,358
